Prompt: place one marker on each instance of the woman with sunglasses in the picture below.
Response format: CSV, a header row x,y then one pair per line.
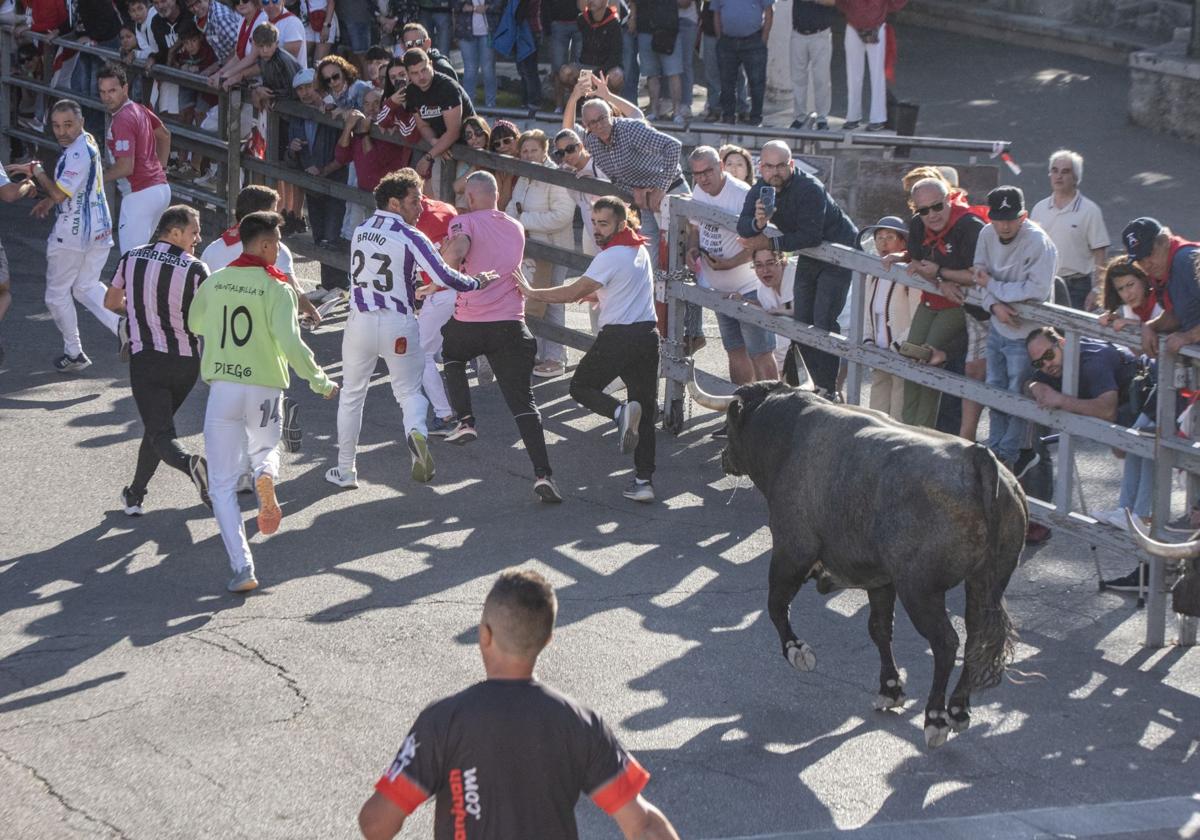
x,y
478,137
548,214
504,142
338,80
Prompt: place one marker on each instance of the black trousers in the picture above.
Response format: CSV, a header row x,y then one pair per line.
x,y
160,382
510,350
325,220
820,294
628,351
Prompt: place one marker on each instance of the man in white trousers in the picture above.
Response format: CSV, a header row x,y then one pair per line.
x,y
82,235
436,309
140,145
865,44
246,314
387,256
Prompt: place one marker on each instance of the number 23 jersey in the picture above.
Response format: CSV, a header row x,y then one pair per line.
x,y
386,257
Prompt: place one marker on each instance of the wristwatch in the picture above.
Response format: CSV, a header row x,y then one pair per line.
x,y
938,278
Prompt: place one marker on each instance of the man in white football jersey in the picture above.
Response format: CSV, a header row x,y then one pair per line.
x,y
386,258
82,236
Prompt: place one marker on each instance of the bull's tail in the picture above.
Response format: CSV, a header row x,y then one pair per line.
x,y
991,639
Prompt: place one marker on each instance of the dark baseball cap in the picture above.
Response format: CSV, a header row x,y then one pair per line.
x,y
1006,203
1139,236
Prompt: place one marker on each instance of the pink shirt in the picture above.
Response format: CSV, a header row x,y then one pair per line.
x,y
497,244
131,134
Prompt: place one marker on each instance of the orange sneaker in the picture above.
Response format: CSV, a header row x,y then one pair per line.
x,y
269,514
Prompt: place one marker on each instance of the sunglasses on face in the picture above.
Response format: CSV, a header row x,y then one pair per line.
x,y
569,149
502,142
271,2
932,208
415,42
331,77
1044,359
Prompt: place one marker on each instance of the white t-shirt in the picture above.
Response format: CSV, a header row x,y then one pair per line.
x,y
291,28
228,247
83,219
626,281
722,242
1075,230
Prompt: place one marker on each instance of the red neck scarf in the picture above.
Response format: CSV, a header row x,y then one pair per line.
x,y
231,237
251,261
1146,310
628,237
959,207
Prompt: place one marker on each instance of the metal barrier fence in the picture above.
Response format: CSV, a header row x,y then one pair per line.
x,y
1167,451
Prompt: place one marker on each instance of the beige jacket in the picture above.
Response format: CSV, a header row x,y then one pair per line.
x,y
547,212
902,304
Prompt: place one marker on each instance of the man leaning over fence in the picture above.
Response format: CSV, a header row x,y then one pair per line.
x,y
1170,262
803,215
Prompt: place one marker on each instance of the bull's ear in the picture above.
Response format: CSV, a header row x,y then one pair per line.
x,y
777,385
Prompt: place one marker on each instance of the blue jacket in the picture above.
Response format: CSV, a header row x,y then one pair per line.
x,y
805,212
511,37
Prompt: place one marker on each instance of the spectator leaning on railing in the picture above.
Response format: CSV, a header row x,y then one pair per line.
x,y
1170,263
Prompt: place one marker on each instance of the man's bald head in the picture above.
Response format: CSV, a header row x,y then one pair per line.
x,y
520,612
481,191
775,151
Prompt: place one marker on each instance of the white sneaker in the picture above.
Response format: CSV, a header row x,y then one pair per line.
x,y
318,294
245,483
639,491
348,478
1114,518
628,417
243,581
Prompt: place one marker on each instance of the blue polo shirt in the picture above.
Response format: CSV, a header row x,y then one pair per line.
x,y
1183,287
741,18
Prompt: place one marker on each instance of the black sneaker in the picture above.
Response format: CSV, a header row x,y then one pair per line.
x,y
198,470
71,364
293,435
1027,459
131,502
547,490
124,345
1136,581
851,125
462,433
797,125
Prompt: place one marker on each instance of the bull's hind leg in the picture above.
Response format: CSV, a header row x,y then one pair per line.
x,y
959,709
883,610
787,576
928,613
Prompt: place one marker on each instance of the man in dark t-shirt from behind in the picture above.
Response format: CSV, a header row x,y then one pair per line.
x,y
509,757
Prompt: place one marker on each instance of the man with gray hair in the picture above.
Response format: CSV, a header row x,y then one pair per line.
x,y
802,215
1076,226
722,264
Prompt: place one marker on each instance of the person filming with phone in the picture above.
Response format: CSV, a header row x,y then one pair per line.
x,y
787,210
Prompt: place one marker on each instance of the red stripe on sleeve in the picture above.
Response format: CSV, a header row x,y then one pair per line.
x,y
402,792
618,793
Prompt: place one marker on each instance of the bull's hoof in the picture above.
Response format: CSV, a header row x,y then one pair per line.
x,y
937,730
891,696
960,719
801,656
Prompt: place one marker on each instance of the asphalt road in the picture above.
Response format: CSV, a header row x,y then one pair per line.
x,y
139,700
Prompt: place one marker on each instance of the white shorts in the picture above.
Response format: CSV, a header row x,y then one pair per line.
x,y
977,333
140,212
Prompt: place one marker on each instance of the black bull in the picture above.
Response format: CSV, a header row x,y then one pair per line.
x,y
861,500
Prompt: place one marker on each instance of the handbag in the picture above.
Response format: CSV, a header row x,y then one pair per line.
x,y
1143,392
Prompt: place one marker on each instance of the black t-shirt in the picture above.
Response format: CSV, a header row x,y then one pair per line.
x,y
958,250
1103,367
443,94
508,759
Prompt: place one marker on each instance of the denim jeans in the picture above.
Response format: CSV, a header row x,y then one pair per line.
x,y
1137,481
1007,367
749,53
437,24
565,43
531,80
821,291
477,55
630,64
685,45
712,77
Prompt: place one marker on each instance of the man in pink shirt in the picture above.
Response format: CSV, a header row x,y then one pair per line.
x,y
491,323
140,143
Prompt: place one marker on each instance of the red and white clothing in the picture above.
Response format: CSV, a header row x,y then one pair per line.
x,y
160,279
436,309
131,135
315,14
244,45
291,29
228,247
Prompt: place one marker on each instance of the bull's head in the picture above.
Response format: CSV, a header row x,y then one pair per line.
x,y
1172,551
1185,595
737,408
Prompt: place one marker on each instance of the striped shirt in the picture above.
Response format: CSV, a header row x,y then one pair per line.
x,y
160,281
385,245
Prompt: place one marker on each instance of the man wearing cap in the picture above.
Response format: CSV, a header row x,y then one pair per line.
x,y
1170,263
889,312
1076,226
1014,262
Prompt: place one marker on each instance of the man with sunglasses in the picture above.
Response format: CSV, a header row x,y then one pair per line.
x,y
415,36
804,214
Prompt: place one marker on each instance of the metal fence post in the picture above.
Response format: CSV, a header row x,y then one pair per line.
x,y
676,312
1064,479
233,151
1164,461
854,370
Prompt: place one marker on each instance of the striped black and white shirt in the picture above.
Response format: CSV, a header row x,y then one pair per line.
x,y
160,280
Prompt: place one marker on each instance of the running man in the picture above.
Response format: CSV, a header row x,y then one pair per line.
x,y
491,323
154,287
509,757
387,256
82,235
140,145
10,191
247,316
621,277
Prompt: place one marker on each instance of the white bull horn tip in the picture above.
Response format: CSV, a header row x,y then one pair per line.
x,y
709,401
1171,551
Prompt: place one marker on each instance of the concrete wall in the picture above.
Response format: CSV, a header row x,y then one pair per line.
x,y
1164,91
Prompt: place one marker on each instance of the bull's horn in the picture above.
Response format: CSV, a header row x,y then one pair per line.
x,y
709,401
1172,551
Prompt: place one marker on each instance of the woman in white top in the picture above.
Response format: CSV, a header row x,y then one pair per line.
x,y
888,313
548,214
